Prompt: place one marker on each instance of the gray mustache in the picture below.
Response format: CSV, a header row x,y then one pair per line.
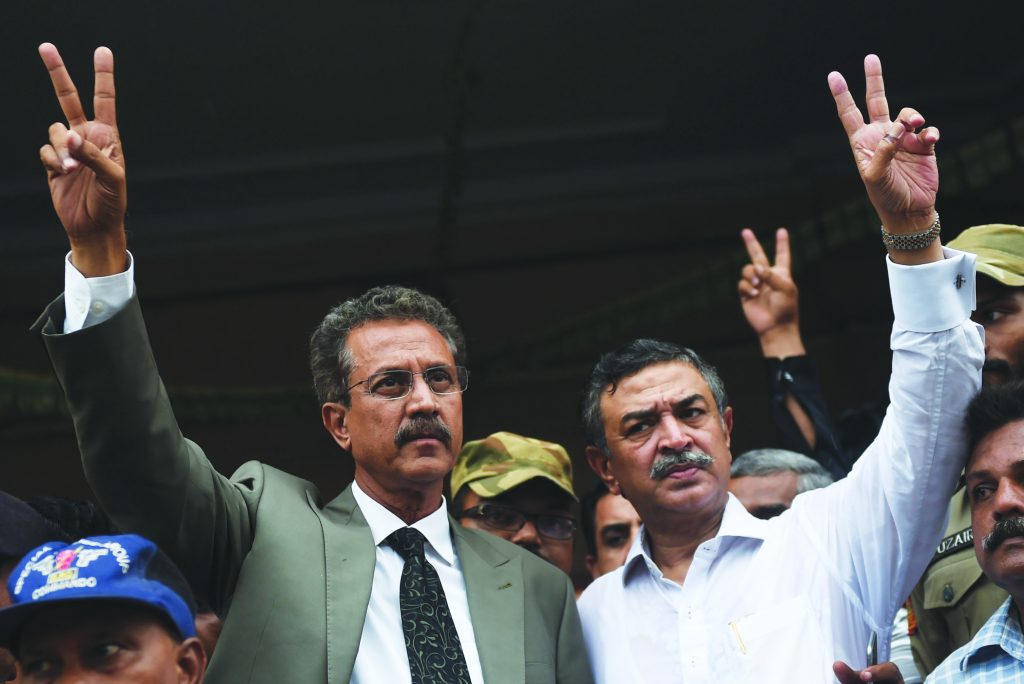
x,y
422,426
1001,531
665,463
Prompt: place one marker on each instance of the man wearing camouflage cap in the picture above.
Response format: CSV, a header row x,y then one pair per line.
x,y
520,489
954,598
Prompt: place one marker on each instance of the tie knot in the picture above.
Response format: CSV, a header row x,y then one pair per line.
x,y
407,541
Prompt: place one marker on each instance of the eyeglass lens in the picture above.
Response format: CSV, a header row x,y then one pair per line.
x,y
512,520
393,384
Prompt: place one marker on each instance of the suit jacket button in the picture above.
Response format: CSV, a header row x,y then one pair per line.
x,y
947,593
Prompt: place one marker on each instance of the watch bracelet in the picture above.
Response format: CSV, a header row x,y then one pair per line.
x,y
914,240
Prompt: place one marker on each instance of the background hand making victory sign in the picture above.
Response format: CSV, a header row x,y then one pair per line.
x,y
85,168
767,292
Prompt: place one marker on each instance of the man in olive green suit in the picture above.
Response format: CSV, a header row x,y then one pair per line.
x,y
359,589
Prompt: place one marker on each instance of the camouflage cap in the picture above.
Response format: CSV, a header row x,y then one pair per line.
x,y
1000,250
503,461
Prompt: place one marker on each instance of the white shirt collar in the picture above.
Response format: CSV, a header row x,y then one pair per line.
x,y
736,522
435,527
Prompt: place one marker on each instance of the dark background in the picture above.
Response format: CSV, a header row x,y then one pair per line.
x,y
566,175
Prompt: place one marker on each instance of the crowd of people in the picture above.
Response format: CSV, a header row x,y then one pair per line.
x,y
890,555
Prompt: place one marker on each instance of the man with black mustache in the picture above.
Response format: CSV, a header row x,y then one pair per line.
x,y
994,480
378,585
994,485
710,593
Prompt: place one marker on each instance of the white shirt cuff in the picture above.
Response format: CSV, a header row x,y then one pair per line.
x,y
935,296
88,301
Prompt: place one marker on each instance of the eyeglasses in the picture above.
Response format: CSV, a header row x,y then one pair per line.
x,y
395,384
508,519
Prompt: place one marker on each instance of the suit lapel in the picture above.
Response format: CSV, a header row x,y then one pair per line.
x,y
350,561
494,586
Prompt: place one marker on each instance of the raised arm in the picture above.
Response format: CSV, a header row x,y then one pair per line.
x,y
85,168
770,301
880,525
147,476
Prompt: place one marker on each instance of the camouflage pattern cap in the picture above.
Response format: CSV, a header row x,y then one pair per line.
x,y
503,461
1000,250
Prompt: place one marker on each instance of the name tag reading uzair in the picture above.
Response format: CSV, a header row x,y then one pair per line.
x,y
953,543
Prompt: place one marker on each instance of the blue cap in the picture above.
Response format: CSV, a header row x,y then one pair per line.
x,y
124,567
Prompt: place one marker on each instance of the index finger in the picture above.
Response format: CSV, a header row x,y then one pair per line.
x,y
757,255
878,106
782,248
70,104
103,97
848,113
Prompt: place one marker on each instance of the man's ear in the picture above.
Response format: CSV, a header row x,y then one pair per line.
x,y
727,425
599,463
191,661
334,415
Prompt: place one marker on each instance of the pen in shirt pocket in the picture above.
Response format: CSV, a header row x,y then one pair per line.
x,y
739,637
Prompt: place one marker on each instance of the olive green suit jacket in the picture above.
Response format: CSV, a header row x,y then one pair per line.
x,y
290,576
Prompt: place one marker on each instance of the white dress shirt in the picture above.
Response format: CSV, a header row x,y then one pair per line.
x,y
382,658
779,600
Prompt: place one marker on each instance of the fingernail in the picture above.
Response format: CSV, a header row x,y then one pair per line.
x,y
74,140
755,281
897,129
753,292
759,269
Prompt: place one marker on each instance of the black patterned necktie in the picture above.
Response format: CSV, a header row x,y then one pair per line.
x,y
435,652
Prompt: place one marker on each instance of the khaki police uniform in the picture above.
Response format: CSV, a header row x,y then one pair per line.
x,y
954,598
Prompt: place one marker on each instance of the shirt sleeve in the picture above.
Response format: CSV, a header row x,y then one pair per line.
x,y
933,297
90,301
877,529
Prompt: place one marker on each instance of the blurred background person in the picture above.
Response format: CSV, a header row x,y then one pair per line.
x,y
767,480
518,488
609,525
22,529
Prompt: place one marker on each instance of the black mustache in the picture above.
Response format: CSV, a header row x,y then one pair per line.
x,y
1001,531
423,426
999,367
665,463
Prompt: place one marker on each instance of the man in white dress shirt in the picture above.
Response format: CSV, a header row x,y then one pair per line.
x,y
709,593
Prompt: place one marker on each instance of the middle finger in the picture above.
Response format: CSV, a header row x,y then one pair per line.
x,y
878,106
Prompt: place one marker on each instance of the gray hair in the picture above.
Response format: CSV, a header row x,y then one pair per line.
x,y
330,359
760,462
629,360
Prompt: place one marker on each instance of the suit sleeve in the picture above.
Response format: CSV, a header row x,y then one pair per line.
x,y
146,475
573,662
797,376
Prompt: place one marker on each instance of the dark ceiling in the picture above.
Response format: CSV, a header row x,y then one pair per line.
x,y
566,175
